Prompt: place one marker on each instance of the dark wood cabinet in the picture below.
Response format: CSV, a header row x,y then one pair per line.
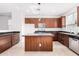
x,y
54,22
78,16
32,21
60,37
5,42
62,22
63,18
38,43
31,43
64,39
15,38
46,43
55,38
50,22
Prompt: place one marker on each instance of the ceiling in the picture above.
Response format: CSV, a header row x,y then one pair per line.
x,y
46,9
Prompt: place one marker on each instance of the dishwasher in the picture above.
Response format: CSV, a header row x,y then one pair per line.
x,y
74,44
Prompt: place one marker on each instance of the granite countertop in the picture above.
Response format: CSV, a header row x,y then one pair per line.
x,y
63,32
8,31
71,34
38,34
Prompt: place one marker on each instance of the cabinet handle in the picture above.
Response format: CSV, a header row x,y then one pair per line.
x,y
39,44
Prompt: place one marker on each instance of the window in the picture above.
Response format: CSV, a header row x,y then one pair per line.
x,y
71,19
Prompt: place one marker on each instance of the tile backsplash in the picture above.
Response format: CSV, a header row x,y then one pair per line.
x,y
30,28
71,28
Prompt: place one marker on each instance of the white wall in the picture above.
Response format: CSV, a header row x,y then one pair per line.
x,y
3,24
4,18
15,23
70,21
17,19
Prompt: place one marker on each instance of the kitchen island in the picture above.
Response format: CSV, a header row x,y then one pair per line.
x,y
39,42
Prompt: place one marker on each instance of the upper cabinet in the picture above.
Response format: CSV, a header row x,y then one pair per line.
x,y
34,21
62,21
55,22
49,22
77,16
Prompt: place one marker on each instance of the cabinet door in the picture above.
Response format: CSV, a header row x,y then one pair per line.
x,y
32,21
46,43
50,22
31,43
15,38
5,42
63,21
66,40
55,37
78,16
59,37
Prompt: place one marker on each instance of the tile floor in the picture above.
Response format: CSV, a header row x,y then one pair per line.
x,y
58,50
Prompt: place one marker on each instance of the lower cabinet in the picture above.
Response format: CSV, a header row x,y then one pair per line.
x,y
31,43
60,38
46,43
64,39
5,42
38,43
15,38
